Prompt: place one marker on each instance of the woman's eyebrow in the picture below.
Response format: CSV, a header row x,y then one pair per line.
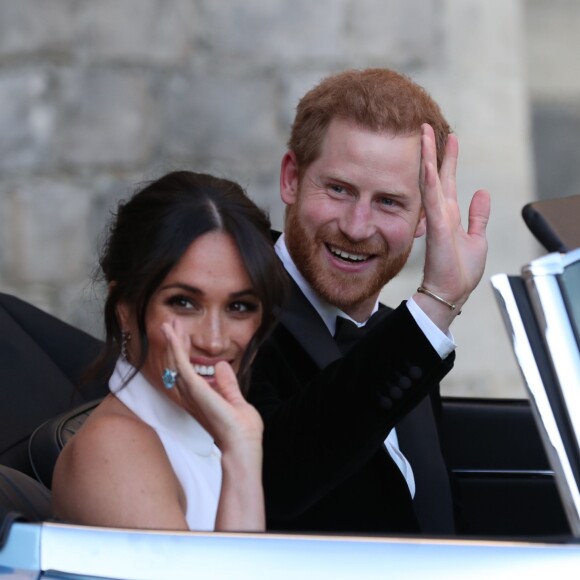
x,y
195,290
182,286
246,292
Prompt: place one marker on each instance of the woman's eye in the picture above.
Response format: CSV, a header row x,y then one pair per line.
x,y
180,302
242,307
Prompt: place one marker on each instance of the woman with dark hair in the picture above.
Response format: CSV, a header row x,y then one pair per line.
x,y
194,284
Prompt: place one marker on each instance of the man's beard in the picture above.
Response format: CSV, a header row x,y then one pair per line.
x,y
344,290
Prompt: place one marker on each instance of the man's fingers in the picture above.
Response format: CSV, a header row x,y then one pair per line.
x,y
448,173
479,211
428,147
430,196
430,182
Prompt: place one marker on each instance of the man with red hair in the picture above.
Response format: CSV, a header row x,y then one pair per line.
x,y
345,386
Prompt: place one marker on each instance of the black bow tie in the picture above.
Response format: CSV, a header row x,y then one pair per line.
x,y
347,332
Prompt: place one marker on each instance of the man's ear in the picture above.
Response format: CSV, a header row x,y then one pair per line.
x,y
289,179
421,225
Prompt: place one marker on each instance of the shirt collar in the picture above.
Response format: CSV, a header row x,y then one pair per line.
x,y
328,312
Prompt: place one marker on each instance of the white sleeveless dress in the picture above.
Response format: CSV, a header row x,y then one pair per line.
x,y
195,458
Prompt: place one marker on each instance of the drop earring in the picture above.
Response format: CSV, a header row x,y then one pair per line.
x,y
125,338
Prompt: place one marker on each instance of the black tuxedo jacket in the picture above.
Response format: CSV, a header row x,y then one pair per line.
x,y
326,418
42,360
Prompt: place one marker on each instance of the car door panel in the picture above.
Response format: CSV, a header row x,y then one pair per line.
x,y
504,483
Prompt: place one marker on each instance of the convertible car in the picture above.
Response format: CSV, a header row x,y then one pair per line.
x,y
516,463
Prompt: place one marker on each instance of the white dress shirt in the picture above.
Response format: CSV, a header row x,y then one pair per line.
x,y
441,342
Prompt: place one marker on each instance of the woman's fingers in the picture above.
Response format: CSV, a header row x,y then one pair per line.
x,y
188,381
169,374
221,409
175,348
227,383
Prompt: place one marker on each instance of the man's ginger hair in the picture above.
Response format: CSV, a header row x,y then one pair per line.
x,y
377,99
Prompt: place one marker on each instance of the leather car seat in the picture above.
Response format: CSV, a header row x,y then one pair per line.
x,y
22,496
47,440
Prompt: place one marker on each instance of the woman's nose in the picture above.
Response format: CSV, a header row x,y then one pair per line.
x,y
210,335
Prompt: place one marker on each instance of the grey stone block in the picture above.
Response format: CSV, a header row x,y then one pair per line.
x,y
276,31
154,32
552,28
226,115
32,26
556,132
396,33
26,118
44,232
106,116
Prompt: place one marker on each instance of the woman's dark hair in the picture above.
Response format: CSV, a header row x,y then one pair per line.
x,y
153,229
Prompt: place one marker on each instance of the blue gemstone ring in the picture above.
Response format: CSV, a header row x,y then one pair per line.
x,y
169,377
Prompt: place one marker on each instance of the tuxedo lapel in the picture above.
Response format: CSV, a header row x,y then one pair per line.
x,y
303,322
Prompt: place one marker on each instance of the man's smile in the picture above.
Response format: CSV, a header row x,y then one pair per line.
x,y
347,256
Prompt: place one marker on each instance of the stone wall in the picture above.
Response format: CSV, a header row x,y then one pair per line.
x,y
96,96
553,74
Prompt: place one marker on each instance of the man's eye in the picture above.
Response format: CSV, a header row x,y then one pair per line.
x,y
336,188
387,202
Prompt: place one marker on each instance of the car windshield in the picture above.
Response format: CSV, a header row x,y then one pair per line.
x,y
571,289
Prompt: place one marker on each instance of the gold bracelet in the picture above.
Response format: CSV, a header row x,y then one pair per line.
x,y
423,290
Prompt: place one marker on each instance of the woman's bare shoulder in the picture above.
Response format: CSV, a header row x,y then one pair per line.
x,y
112,471
112,438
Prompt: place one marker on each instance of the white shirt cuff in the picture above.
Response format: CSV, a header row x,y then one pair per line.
x,y
441,342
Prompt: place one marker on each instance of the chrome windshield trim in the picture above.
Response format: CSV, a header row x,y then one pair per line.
x,y
540,404
551,311
551,264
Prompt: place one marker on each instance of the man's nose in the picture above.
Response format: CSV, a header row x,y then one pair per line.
x,y
356,222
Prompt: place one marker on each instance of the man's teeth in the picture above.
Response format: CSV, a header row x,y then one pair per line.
x,y
348,256
204,370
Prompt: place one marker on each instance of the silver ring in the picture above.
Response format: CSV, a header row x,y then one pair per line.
x,y
169,377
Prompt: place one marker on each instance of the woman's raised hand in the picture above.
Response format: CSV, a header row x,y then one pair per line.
x,y
235,426
222,409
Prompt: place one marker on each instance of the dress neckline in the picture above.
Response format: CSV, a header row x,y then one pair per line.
x,y
157,410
